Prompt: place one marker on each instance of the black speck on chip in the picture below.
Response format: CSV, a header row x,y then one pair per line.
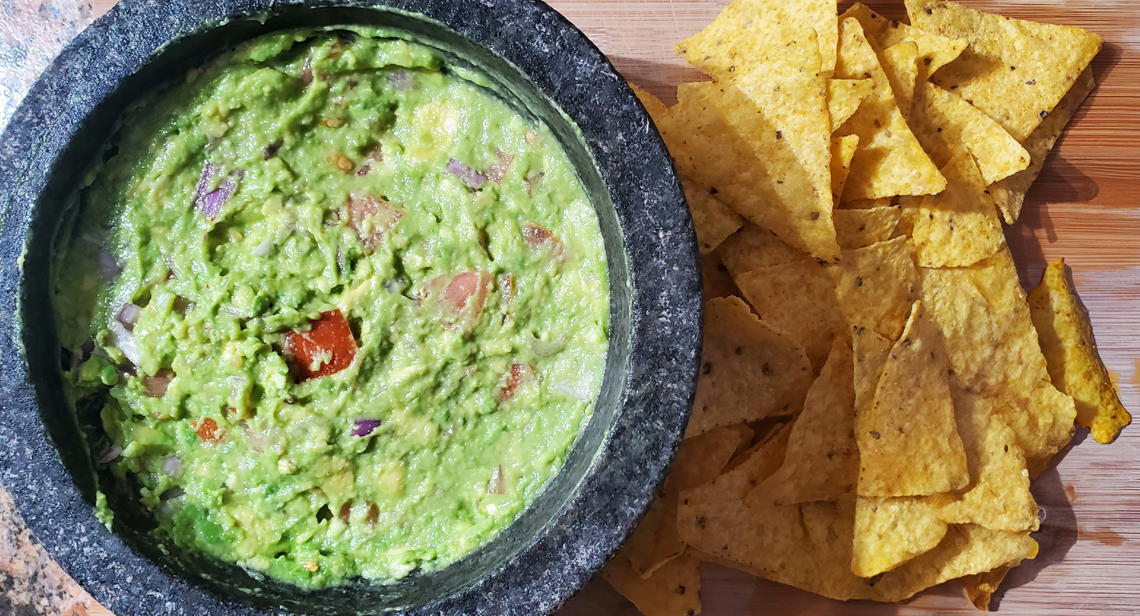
x,y
1031,82
859,281
815,215
712,191
1013,68
779,135
680,590
1044,113
732,69
929,11
707,368
875,434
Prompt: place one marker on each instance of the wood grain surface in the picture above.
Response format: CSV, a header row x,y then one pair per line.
x,y
1084,208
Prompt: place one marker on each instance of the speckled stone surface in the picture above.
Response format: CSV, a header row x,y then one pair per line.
x,y
577,524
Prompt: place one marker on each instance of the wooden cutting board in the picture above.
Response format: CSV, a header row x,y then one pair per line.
x,y
1084,208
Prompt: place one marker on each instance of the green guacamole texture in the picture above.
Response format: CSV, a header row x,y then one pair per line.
x,y
342,310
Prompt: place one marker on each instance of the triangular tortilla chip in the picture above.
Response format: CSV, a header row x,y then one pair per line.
x,y
876,285
751,148
861,228
1009,194
672,590
717,282
713,220
934,51
699,460
870,351
822,461
1074,364
755,31
900,62
842,151
753,247
891,531
749,369
844,97
1016,71
980,587
947,126
799,298
959,226
889,160
710,520
908,439
657,110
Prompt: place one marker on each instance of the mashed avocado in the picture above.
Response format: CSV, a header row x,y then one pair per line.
x,y
342,311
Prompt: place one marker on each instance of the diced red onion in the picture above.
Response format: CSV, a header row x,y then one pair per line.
x,y
157,385
307,71
364,427
108,267
470,177
129,315
400,80
497,485
579,390
171,465
124,341
112,453
498,171
210,202
263,248
546,348
255,438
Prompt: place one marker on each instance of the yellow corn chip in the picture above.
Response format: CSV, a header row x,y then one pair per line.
x,y
900,62
1015,71
842,151
1009,194
755,534
753,247
867,204
844,97
876,285
755,32
753,152
891,531
889,160
980,587
861,228
908,439
870,351
749,369
1075,366
934,51
798,298
673,590
699,460
959,226
947,126
657,110
822,461
713,219
716,279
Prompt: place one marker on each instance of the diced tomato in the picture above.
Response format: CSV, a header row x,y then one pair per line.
x,y
538,236
370,217
519,374
207,430
327,348
461,298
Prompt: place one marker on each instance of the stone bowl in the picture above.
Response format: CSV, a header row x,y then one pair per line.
x,y
546,68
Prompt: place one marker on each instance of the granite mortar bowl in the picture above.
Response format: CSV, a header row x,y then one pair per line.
x,y
537,62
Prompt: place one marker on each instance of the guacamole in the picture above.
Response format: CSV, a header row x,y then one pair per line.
x,y
341,311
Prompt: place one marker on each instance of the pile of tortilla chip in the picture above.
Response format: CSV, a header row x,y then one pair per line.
x,y
876,391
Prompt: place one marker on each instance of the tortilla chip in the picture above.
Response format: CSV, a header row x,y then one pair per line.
x,y
900,63
734,36
980,587
867,204
713,220
1044,425
934,51
1074,364
870,351
753,247
699,460
947,126
861,228
876,285
657,110
891,531
889,160
749,369
715,520
673,590
759,149
959,226
798,298
715,277
1015,71
822,460
844,97
842,151
908,439
1009,194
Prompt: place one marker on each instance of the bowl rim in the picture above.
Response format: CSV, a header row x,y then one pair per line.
x,y
660,246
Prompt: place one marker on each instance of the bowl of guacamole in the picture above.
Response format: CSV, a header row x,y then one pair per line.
x,y
346,309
